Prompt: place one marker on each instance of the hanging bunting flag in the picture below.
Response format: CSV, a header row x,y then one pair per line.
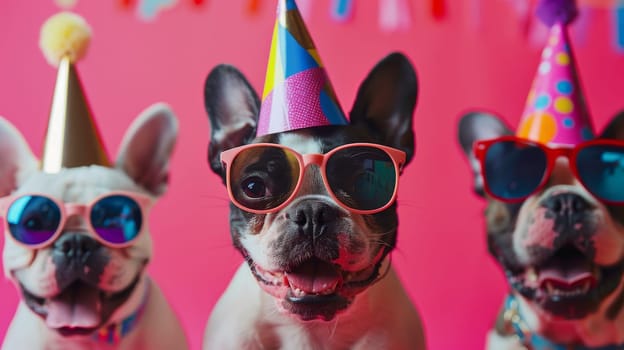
x,y
148,10
524,12
305,8
253,7
618,25
438,8
342,10
581,25
394,15
126,3
66,4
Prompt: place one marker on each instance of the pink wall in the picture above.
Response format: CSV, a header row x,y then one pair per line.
x,y
441,256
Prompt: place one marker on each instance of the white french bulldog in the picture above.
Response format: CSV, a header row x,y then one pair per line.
x,y
317,276
562,250
77,293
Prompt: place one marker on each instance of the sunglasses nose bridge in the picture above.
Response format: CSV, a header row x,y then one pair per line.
x,y
312,180
562,173
309,159
75,215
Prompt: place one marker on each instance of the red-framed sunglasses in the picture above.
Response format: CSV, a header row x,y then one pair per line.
x,y
514,168
36,220
361,177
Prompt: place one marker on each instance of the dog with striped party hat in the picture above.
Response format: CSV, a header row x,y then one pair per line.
x,y
555,207
313,197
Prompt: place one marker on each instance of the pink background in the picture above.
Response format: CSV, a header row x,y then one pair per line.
x,y
441,257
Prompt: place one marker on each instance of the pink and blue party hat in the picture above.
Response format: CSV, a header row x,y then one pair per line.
x,y
556,113
297,91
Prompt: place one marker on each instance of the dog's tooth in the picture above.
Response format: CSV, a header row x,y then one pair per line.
x,y
531,275
550,288
298,292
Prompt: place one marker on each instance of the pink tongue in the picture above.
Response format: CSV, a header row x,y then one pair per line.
x,y
314,276
570,273
76,308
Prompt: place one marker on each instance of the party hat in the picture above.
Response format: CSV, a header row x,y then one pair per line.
x,y
556,112
297,91
72,138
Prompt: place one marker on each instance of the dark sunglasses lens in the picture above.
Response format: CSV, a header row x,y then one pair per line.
x,y
601,169
513,170
117,219
362,177
33,220
263,177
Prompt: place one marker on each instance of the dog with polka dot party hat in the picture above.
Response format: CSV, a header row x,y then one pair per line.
x,y
555,207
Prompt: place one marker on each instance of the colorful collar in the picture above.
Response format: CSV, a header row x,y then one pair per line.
x,y
112,334
534,341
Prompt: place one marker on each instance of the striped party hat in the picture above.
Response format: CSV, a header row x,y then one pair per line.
x,y
297,91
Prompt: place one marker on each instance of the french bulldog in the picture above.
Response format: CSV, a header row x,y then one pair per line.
x,y
315,276
562,251
75,288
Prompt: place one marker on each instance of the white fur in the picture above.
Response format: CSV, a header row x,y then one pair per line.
x,y
608,239
246,317
158,328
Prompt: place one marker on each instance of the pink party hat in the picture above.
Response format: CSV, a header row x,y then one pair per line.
x,y
297,91
555,111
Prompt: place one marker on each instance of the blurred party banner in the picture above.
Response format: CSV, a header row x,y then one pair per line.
x,y
65,4
148,10
394,15
438,8
618,25
342,10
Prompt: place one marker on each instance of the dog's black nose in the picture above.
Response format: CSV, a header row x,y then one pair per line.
x,y
76,247
312,217
566,204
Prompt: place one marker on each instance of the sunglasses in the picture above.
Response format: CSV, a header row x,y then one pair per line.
x,y
361,177
515,168
36,220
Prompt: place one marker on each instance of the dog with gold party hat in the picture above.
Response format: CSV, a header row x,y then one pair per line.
x,y
76,226
555,207
313,195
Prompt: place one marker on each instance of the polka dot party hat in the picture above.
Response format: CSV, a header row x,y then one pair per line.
x,y
297,91
555,113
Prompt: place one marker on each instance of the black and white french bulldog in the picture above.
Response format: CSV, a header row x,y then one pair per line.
x,y
276,299
77,293
562,251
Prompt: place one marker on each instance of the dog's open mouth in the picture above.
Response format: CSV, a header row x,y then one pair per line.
x,y
315,288
80,309
568,283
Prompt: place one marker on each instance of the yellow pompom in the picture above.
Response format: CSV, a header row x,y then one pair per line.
x,y
65,34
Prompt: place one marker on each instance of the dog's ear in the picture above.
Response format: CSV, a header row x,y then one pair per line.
x,y
615,129
147,147
385,103
475,126
232,106
16,158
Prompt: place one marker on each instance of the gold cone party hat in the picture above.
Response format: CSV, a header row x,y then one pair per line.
x,y
72,137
